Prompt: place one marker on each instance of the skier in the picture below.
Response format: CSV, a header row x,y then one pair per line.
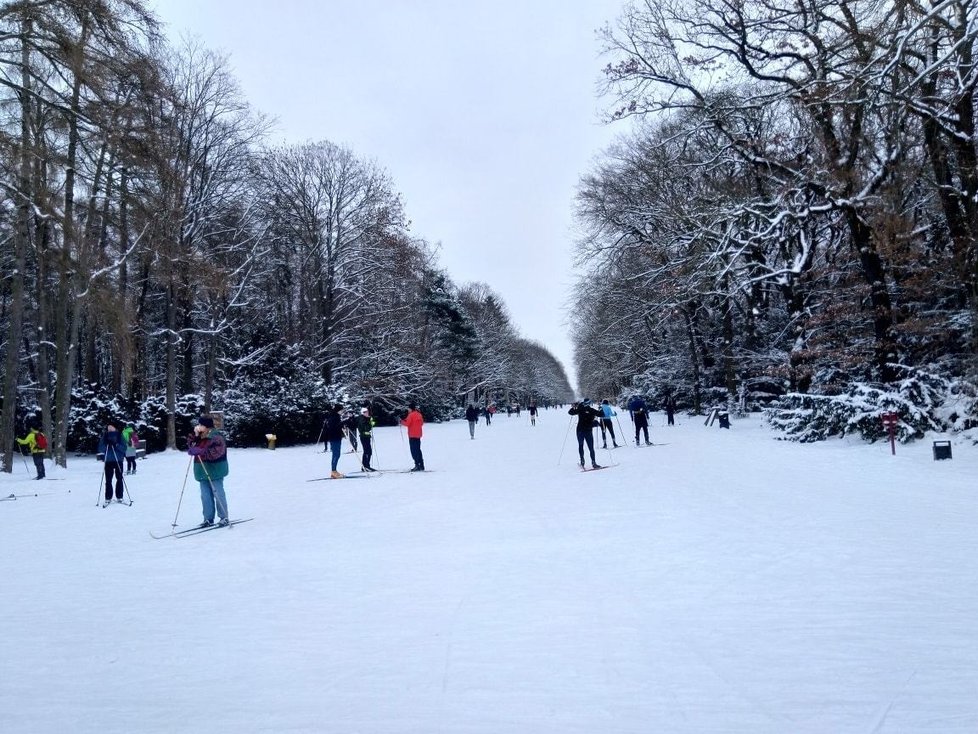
x,y
414,421
350,423
586,418
365,429
472,416
333,436
533,414
131,440
670,409
210,452
112,447
38,444
640,416
607,425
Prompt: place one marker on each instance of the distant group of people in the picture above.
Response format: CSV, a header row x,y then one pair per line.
x,y
207,445
358,428
472,414
590,417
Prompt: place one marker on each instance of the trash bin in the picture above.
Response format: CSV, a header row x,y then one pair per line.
x,y
724,419
942,450
271,437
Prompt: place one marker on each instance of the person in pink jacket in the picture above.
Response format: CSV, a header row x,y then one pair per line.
x,y
414,421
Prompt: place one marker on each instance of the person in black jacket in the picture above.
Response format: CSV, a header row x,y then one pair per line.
x,y
670,410
350,423
333,436
472,416
365,426
587,417
640,416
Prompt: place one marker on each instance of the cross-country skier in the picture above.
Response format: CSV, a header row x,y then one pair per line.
x,y
607,425
210,452
131,440
365,428
112,447
640,416
670,409
350,423
587,418
333,436
33,441
472,416
414,421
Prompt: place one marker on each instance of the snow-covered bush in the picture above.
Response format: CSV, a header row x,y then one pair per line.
x,y
152,418
281,393
92,409
920,399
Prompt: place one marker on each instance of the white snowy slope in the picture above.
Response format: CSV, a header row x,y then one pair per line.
x,y
725,582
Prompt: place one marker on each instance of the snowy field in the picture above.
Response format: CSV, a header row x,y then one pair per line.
x,y
724,582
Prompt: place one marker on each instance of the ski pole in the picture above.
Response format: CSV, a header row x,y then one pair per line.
x,y
321,430
611,458
125,487
620,429
180,501
374,455
101,481
564,444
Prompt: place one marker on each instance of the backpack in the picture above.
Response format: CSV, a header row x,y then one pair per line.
x,y
42,441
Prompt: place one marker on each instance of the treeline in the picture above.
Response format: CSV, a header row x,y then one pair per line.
x,y
157,253
791,220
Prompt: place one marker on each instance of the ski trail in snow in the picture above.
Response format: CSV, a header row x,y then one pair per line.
x,y
881,716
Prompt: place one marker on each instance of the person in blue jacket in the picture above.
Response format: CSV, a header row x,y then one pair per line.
x,y
640,417
607,413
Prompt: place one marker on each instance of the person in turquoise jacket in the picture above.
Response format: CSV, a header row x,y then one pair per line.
x,y
607,413
210,452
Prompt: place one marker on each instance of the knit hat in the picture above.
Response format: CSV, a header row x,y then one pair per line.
x,y
206,421
586,401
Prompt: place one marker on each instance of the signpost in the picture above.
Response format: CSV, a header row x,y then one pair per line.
x,y
890,421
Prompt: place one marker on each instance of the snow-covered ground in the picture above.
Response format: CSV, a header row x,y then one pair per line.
x,y
724,582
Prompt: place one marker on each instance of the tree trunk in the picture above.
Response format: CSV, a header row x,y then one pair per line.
x,y
16,317
694,360
171,367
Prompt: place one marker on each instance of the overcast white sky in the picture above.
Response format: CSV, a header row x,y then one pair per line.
x,y
484,113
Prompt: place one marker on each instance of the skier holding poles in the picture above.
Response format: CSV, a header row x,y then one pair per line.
x,y
112,449
607,413
333,436
414,422
209,451
587,416
640,416
38,444
365,426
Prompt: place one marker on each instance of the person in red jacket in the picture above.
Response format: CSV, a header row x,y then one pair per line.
x,y
413,421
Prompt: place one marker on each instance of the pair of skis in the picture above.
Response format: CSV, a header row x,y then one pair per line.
x,y
198,530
